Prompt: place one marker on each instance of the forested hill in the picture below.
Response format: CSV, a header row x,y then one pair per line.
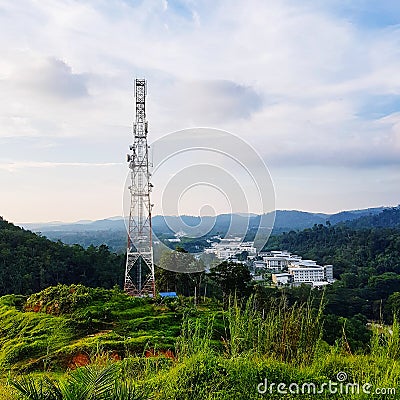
x,y
388,218
364,252
30,263
367,246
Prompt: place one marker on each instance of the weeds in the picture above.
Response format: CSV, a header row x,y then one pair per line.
x,y
281,345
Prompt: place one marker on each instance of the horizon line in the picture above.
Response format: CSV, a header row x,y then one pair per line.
x,y
82,221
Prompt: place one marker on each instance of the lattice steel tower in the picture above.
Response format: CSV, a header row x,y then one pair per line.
x,y
139,272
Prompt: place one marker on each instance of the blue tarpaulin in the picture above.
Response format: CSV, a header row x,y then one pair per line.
x,y
168,294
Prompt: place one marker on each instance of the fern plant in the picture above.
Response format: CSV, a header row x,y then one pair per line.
x,y
86,383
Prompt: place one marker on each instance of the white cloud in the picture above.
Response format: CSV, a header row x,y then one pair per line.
x,y
55,78
214,101
290,77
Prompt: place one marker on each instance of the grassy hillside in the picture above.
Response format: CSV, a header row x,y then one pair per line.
x,y
78,343
51,329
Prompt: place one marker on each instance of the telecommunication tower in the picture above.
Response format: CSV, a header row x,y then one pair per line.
x,y
139,272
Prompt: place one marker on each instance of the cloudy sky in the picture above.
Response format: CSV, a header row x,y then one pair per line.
x,y
312,85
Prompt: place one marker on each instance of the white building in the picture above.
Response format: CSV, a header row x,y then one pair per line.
x,y
308,271
307,274
298,271
279,260
328,269
259,264
230,247
282,279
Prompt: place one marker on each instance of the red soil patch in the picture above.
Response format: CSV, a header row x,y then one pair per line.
x,y
36,308
158,353
115,356
79,360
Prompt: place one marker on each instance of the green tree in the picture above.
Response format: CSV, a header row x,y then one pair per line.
x,y
180,272
392,307
231,278
382,286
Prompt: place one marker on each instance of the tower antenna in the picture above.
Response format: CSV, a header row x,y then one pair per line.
x,y
139,272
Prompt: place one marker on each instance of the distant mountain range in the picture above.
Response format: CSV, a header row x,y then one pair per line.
x,y
285,220
111,231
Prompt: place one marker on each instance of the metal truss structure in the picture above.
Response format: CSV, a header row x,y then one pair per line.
x,y
139,272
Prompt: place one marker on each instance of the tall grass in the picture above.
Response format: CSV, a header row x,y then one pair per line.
x,y
195,337
286,333
385,342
